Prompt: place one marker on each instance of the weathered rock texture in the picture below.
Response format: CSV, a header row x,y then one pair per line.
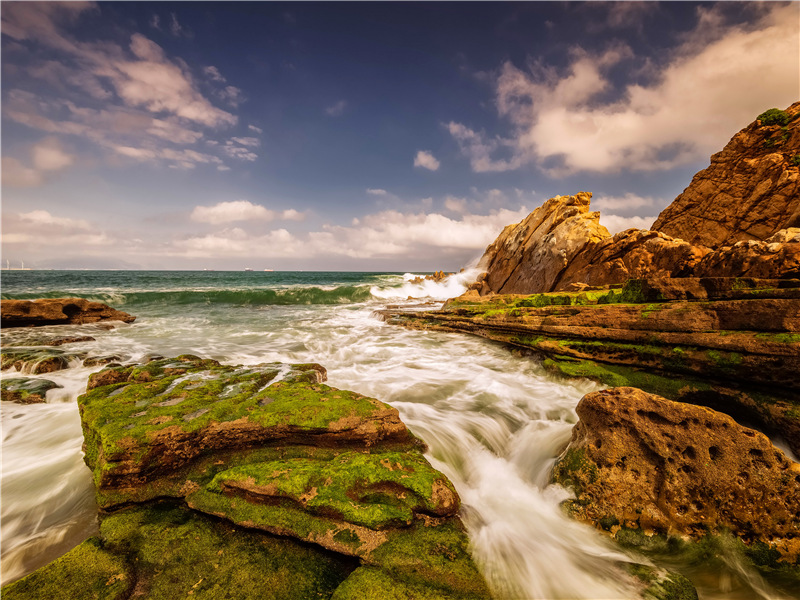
x,y
344,499
750,191
57,311
25,390
562,246
730,343
640,461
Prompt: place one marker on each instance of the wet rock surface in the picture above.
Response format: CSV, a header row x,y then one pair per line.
x,y
640,461
57,311
258,482
26,390
733,344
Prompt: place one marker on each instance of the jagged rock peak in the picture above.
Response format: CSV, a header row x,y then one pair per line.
x,y
750,190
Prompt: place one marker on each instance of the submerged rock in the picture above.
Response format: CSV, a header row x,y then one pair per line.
x,y
58,311
26,390
256,482
39,360
639,461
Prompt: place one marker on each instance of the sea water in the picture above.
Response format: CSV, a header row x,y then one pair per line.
x,y
494,421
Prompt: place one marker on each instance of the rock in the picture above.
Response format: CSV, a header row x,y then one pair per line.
x,y
271,448
438,277
643,462
775,258
58,311
530,256
24,337
733,344
165,551
750,191
38,360
26,390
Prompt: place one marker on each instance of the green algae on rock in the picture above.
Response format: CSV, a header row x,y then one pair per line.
x,y
26,390
271,448
38,360
155,420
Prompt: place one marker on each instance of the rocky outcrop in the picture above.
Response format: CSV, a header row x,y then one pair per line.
x,y
57,311
730,343
530,256
642,462
259,482
750,191
25,390
562,246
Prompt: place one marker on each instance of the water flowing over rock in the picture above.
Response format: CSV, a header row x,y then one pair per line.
x,y
58,311
750,191
640,461
314,491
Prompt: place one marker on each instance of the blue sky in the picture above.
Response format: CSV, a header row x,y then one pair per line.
x,y
360,136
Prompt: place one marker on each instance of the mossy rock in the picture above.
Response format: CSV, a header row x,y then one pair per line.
x,y
373,490
661,584
169,552
88,572
26,390
370,583
155,420
38,360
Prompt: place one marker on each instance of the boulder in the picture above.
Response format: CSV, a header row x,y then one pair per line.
x,y
750,191
271,450
38,360
57,311
26,390
640,461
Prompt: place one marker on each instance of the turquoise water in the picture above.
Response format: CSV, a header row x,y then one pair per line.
x,y
494,422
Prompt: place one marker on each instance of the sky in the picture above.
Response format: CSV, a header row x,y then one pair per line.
x,y
368,136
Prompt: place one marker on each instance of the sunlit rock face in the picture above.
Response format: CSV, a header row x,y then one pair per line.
x,y
640,461
750,191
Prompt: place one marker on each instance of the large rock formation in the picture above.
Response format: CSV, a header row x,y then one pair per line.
x,y
730,343
750,191
57,311
256,482
642,462
561,245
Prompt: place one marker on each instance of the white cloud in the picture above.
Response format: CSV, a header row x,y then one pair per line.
x,y
256,129
628,201
41,228
241,210
715,82
426,160
239,152
16,174
376,192
49,156
615,223
337,109
456,205
42,217
213,74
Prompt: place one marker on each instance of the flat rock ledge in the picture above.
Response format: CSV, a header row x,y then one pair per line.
x,y
637,461
57,311
256,482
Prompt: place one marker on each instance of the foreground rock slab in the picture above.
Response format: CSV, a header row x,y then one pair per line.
x,y
57,311
256,482
640,461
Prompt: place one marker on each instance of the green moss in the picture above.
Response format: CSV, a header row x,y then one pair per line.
x,y
179,554
86,572
782,338
191,394
662,584
375,491
608,522
26,390
370,583
774,116
574,470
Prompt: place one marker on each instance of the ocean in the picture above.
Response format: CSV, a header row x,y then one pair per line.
x,y
494,421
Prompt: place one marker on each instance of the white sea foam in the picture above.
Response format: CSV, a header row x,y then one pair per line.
x,y
452,286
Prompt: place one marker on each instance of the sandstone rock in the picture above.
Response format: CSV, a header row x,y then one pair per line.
x,y
775,258
750,191
530,256
57,311
26,390
641,461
